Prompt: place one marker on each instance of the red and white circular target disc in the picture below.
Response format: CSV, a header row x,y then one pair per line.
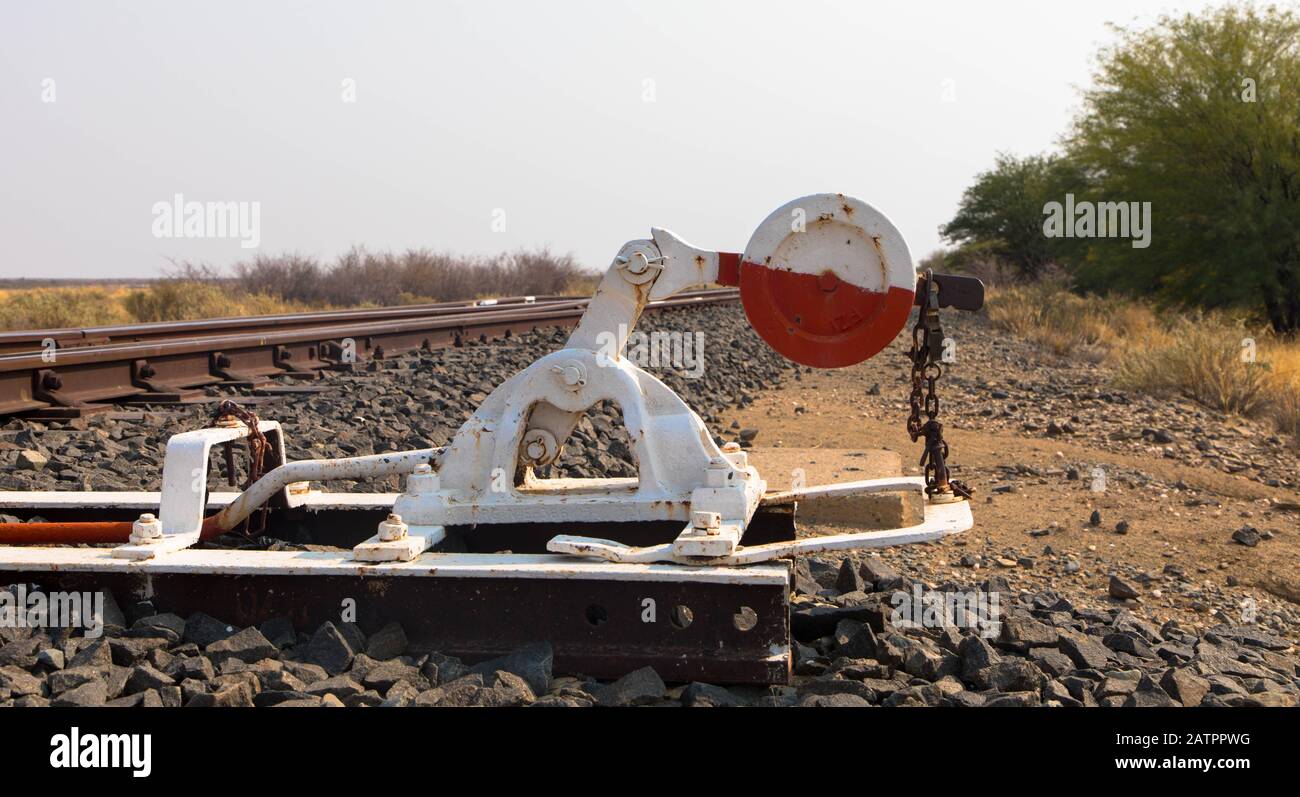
x,y
827,280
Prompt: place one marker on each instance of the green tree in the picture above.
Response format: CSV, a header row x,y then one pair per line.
x,y
1002,212
1200,116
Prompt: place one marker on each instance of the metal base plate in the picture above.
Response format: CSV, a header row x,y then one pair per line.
x,y
715,624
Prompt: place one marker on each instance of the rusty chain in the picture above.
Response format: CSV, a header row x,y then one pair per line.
x,y
926,356
258,446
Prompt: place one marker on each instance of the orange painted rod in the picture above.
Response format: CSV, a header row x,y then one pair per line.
x,y
82,532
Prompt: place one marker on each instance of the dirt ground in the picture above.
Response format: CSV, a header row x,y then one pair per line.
x,y
1033,516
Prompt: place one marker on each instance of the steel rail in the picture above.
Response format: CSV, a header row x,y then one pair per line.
x,y
36,340
170,362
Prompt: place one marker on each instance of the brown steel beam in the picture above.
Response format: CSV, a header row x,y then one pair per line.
x,y
714,632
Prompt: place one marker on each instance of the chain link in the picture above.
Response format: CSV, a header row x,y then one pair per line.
x,y
926,355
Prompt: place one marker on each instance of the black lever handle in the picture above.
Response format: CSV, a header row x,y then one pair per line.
x,y
963,293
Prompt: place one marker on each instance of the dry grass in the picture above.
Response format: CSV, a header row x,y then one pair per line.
x,y
187,300
417,275
1286,412
293,283
55,308
165,300
1199,356
1202,359
1067,323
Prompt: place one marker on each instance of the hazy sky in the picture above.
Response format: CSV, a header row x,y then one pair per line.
x,y
573,125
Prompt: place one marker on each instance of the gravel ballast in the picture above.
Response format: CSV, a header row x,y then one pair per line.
x,y
713,360
850,647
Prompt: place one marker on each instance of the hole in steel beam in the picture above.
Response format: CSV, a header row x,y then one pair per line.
x,y
596,615
745,619
682,616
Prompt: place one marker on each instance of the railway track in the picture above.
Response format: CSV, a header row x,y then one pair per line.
x,y
617,573
68,373
37,340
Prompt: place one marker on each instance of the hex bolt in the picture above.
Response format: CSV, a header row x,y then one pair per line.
x,y
423,480
392,529
736,456
146,529
707,522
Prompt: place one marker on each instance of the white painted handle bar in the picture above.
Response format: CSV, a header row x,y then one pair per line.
x,y
940,520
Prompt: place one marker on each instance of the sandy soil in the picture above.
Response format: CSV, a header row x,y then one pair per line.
x,y
1032,518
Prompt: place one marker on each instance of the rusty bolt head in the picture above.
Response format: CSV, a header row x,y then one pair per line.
x,y
423,480
392,529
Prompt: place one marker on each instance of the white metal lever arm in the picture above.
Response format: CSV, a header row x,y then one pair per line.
x,y
620,297
642,271
684,266
940,521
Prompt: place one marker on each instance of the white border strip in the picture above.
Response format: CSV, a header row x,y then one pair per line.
x,y
144,500
332,563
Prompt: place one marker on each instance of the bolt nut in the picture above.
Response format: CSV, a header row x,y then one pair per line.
x,y
146,530
392,529
423,480
707,522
